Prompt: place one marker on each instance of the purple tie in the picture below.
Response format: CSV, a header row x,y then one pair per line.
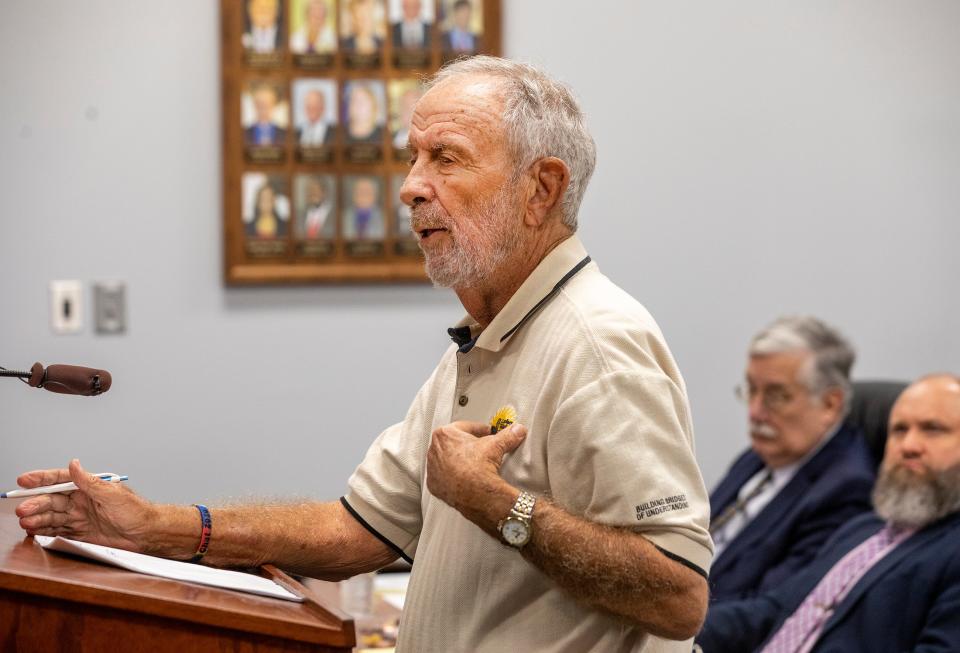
x,y
821,602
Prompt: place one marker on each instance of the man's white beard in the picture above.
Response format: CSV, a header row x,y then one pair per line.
x,y
909,500
477,244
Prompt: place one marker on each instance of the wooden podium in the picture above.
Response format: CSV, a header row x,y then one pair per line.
x,y
54,602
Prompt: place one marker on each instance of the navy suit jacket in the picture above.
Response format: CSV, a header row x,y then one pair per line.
x,y
909,601
828,490
278,137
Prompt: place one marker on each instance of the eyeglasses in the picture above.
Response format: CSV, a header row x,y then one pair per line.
x,y
774,398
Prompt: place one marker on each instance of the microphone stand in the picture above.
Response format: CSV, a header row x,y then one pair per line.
x,y
23,376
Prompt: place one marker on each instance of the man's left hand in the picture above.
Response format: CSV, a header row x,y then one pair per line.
x,y
463,463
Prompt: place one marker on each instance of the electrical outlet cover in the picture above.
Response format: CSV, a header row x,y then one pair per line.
x,y
110,306
66,306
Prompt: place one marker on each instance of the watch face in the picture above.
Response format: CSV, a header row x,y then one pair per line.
x,y
515,532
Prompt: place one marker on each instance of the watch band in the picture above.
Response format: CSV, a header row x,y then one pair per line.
x,y
523,507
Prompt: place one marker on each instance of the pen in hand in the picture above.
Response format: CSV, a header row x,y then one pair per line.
x,y
59,487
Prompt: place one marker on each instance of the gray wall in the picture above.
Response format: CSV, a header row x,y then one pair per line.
x,y
755,158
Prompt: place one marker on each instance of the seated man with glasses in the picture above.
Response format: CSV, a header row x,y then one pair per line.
x,y
805,474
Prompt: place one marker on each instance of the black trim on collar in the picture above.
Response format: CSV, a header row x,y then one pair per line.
x,y
363,522
576,268
683,561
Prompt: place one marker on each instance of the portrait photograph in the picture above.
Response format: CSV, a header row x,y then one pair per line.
x,y
363,30
315,214
315,118
262,37
364,116
411,32
313,37
461,23
362,219
403,94
264,116
266,206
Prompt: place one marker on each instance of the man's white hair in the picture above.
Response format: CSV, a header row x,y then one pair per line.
x,y
541,118
832,358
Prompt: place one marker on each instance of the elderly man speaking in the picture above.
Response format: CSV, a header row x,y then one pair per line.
x,y
581,527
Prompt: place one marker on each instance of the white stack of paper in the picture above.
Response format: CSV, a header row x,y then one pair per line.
x,y
184,571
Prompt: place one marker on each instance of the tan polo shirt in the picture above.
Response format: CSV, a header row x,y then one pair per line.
x,y
610,439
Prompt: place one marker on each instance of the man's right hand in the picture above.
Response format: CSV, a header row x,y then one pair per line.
x,y
101,512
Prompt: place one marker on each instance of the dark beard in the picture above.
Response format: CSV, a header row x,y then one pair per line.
x,y
910,500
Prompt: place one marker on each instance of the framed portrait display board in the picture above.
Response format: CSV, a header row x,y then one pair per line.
x,y
317,99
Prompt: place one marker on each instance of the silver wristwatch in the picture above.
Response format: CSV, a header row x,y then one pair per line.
x,y
516,528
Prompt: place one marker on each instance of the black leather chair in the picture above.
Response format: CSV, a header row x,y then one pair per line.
x,y
870,411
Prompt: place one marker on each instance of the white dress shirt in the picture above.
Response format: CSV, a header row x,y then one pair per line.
x,y
412,33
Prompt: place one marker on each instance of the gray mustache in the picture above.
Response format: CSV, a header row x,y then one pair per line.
x,y
763,430
427,216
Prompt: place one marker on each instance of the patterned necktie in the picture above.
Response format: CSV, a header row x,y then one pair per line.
x,y
821,602
740,504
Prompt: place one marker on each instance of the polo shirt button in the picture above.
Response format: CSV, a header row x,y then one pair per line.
x,y
463,400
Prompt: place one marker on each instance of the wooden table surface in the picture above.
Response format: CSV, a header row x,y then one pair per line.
x,y
28,569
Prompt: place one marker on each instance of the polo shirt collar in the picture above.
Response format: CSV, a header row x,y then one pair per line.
x,y
546,280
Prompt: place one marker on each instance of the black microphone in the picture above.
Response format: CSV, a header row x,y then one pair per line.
x,y
65,379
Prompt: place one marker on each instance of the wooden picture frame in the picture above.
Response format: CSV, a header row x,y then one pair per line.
x,y
313,104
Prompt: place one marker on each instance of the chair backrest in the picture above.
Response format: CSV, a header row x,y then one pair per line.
x,y
870,411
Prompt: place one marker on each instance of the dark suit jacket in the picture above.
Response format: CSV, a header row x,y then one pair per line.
x,y
398,36
826,492
349,43
909,601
